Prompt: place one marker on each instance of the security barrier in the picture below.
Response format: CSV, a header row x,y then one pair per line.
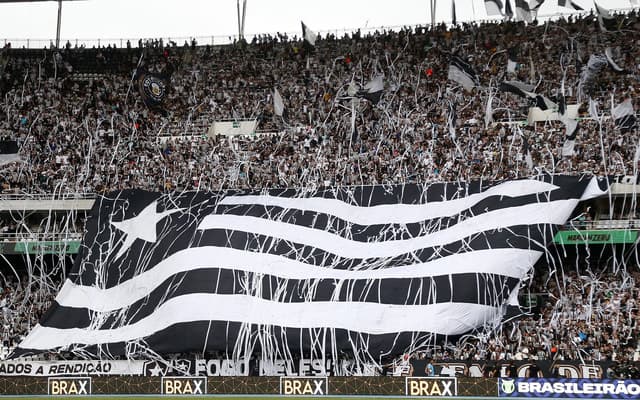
x,y
285,386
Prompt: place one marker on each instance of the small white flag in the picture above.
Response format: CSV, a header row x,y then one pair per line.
x,y
278,104
593,109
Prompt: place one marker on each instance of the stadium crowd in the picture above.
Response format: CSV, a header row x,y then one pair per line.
x,y
586,316
82,127
23,300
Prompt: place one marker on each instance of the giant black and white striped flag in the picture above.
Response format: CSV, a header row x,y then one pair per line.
x,y
372,269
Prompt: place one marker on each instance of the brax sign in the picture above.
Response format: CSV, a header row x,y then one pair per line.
x,y
184,385
69,386
303,386
437,387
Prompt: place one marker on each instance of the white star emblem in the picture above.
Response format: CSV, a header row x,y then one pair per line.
x,y
156,370
143,226
183,365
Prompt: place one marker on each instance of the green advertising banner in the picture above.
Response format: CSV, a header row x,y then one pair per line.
x,y
596,236
47,247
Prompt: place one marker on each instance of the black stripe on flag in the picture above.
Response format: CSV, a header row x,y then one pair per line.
x,y
8,147
9,151
369,195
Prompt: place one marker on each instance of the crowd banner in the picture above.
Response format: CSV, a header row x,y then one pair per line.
x,y
306,367
515,368
570,388
70,368
195,367
538,115
233,128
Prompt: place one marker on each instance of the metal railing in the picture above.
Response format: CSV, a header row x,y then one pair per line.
x,y
47,196
40,236
603,224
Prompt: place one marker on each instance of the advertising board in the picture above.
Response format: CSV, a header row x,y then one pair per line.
x,y
183,385
570,388
431,387
303,386
69,386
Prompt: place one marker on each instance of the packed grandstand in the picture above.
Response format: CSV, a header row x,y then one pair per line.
x,y
370,110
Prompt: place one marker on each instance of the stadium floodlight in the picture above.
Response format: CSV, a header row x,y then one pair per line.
x,y
41,1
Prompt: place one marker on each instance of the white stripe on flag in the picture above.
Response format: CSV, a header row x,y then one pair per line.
x,y
392,213
373,318
554,212
593,190
506,262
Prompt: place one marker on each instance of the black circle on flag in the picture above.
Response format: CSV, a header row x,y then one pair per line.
x,y
154,88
